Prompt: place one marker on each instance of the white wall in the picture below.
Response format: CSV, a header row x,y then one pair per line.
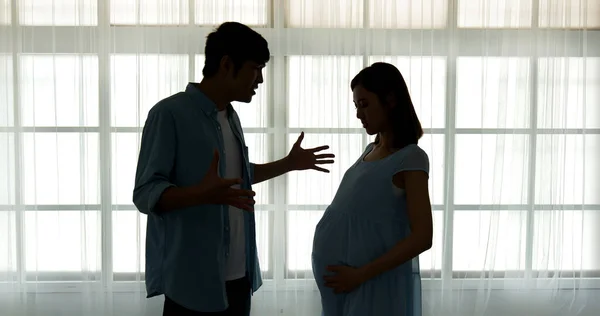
x,y
298,303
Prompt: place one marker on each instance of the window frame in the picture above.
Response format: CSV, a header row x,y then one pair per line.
x,y
434,42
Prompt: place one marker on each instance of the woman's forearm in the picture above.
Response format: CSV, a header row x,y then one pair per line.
x,y
402,252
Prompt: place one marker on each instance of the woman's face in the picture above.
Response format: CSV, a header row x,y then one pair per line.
x,y
370,111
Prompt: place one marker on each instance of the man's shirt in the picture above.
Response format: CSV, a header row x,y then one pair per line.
x,y
187,250
236,262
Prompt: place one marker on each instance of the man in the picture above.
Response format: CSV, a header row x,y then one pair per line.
x,y
194,180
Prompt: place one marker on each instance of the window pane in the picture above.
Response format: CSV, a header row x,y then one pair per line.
x,y
5,12
125,150
263,238
253,114
347,149
426,80
300,232
569,92
433,145
6,91
58,12
566,240
410,14
489,240
61,168
569,13
140,81
7,169
567,169
213,12
491,169
258,152
59,90
129,241
492,92
324,13
8,243
149,12
64,241
432,258
319,92
494,13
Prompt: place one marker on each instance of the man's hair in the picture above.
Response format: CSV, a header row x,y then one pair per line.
x,y
237,41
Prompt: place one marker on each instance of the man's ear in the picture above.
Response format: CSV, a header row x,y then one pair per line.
x,y
226,64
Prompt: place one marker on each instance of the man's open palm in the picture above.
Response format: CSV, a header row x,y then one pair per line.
x,y
219,191
303,159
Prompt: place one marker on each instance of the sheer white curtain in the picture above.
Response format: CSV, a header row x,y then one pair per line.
x,y
508,92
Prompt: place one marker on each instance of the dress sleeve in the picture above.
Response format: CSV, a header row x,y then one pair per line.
x,y
414,160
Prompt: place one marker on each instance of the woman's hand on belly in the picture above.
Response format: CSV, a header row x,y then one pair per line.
x,y
345,278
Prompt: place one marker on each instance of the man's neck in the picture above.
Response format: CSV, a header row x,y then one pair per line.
x,y
214,91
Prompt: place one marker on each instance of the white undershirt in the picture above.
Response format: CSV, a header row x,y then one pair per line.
x,y
236,261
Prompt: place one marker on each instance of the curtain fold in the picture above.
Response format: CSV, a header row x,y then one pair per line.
x,y
507,91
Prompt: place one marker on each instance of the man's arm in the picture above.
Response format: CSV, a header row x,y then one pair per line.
x,y
263,172
153,192
298,159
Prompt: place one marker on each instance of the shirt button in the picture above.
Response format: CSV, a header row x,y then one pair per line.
x,y
219,127
226,228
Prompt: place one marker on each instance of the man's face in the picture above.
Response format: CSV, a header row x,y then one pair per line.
x,y
244,84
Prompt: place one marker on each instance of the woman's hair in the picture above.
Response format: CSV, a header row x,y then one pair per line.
x,y
386,81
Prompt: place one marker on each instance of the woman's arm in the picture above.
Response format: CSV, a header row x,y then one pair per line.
x,y
415,186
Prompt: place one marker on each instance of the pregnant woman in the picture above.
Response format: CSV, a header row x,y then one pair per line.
x,y
366,246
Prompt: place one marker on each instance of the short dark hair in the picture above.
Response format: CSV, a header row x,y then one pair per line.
x,y
385,81
237,41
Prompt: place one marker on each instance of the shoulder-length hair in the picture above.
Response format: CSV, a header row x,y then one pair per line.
x,y
386,81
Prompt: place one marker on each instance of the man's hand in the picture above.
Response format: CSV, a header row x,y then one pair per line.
x,y
302,159
215,190
345,280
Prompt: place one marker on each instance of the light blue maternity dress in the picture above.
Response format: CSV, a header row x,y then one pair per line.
x,y
366,218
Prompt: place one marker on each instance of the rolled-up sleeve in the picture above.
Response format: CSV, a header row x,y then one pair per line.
x,y
155,161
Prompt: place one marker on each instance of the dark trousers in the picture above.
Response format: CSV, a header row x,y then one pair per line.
x,y
238,295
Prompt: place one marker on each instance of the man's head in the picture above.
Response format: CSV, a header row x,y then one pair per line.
x,y
235,55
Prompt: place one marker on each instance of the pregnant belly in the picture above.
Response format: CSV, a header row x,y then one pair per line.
x,y
328,242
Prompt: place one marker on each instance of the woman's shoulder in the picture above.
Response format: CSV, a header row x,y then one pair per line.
x,y
412,157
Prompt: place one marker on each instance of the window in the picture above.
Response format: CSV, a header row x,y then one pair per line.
x,y
66,90
214,12
390,14
162,12
494,14
574,80
324,13
5,12
492,92
502,106
6,91
57,12
569,14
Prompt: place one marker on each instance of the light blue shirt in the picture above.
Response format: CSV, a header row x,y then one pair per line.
x,y
187,249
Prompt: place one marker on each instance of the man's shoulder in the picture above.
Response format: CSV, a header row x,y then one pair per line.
x,y
170,103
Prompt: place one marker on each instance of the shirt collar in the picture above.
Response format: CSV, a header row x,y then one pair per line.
x,y
205,104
